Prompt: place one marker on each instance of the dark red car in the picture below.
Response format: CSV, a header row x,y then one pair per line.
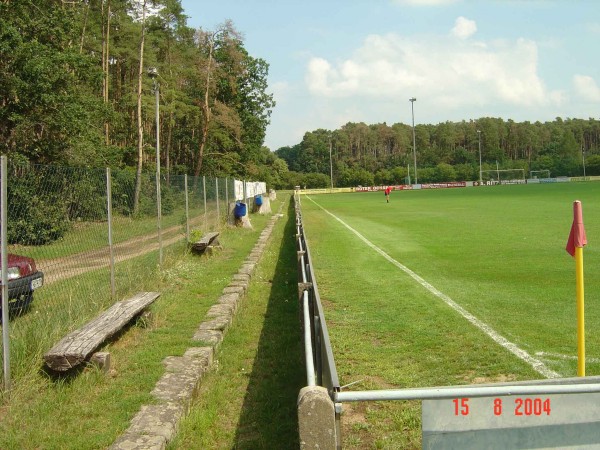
x,y
23,279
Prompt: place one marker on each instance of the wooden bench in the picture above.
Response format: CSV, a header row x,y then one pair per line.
x,y
208,241
77,346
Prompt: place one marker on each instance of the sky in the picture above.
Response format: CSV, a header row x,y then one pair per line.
x,y
337,61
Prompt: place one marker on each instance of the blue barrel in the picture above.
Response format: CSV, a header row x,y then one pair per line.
x,y
258,200
239,210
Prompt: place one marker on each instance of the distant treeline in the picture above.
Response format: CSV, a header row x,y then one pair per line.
x,y
365,155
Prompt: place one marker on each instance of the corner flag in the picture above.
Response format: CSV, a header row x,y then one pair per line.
x,y
577,238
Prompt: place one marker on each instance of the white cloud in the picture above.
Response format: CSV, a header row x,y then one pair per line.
x,y
454,72
424,2
593,28
586,87
280,90
464,28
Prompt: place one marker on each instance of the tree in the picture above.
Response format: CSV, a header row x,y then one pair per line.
x,y
48,110
210,42
592,165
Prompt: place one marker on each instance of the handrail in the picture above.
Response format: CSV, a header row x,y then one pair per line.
x,y
321,369
308,353
450,392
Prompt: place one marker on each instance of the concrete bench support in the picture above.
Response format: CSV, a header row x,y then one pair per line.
x,y
316,419
243,222
208,242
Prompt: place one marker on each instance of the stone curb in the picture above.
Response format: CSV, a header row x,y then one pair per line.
x,y
155,425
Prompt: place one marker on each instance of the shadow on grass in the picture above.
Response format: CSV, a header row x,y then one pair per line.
x,y
269,414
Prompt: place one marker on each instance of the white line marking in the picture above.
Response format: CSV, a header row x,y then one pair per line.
x,y
535,363
561,356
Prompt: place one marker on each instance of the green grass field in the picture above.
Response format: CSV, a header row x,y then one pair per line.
x,y
499,252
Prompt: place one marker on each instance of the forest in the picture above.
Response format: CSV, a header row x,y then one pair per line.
x,y
379,154
76,89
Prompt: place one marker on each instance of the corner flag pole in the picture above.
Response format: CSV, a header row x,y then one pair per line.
x,y
577,239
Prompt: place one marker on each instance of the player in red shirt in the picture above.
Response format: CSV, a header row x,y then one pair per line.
x,y
387,193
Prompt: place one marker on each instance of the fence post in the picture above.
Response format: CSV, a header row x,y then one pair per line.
x,y
227,199
217,197
158,219
205,211
316,419
187,209
113,290
4,257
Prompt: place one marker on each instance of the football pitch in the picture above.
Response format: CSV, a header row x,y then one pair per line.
x,y
450,286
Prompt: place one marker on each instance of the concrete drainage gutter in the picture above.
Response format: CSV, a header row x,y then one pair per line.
x,y
155,425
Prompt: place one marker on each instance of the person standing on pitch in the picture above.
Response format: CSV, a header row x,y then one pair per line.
x,y
387,193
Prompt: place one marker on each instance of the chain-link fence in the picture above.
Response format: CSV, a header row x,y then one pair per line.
x,y
97,235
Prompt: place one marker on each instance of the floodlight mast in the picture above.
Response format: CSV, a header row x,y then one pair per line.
x,y
412,101
479,136
153,74
330,164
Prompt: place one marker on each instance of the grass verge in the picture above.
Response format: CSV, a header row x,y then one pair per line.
x,y
250,401
90,409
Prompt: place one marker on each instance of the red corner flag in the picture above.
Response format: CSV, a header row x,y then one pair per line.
x,y
577,236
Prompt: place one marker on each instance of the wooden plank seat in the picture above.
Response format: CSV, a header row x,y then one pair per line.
x,y
79,345
209,240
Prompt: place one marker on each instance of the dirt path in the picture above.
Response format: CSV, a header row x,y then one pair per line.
x,y
69,266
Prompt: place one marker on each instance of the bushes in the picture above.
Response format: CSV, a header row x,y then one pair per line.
x,y
44,201
36,214
32,219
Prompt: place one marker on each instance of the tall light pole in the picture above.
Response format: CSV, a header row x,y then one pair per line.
x,y
153,73
479,136
412,107
330,164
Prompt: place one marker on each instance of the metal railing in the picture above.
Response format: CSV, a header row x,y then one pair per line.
x,y
319,350
320,364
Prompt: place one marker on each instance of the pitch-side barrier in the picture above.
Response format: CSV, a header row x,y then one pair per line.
x,y
551,413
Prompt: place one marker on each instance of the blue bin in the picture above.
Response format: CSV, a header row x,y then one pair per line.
x,y
239,210
258,200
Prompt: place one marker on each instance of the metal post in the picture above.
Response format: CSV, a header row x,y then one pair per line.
x,y
158,195
308,351
244,191
227,198
217,197
187,209
479,136
205,210
4,257
330,165
113,289
412,107
498,171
